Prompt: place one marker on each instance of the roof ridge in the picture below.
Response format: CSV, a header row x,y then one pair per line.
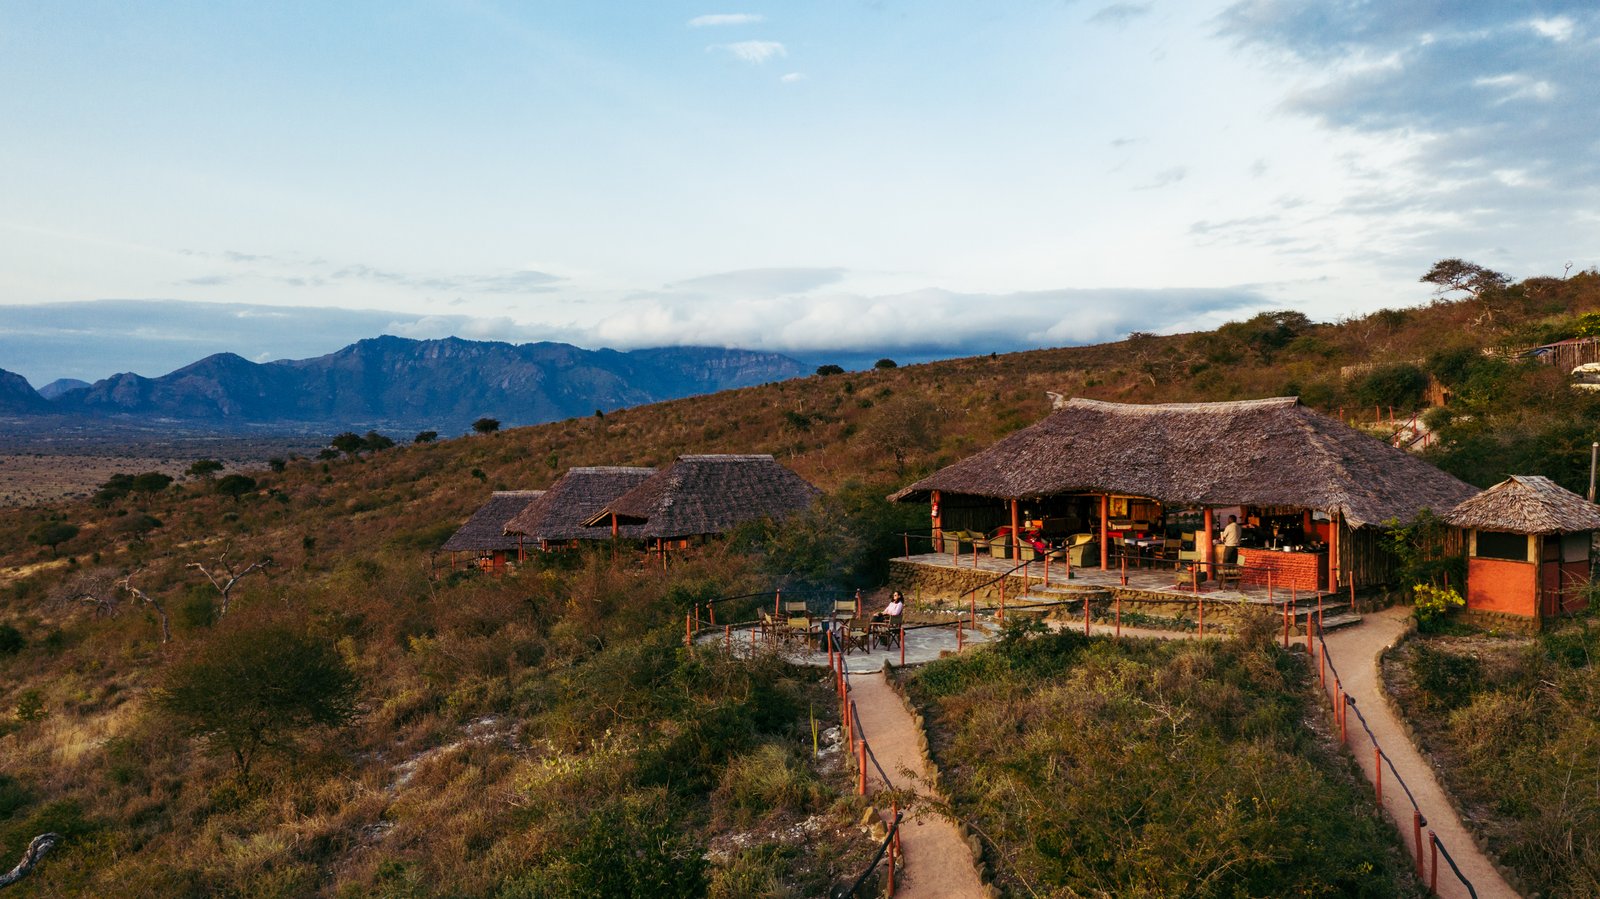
x,y
1222,406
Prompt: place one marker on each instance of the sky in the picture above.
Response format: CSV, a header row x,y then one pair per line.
x,y
828,179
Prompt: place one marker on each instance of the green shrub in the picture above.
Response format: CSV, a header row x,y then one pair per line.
x,y
1447,680
11,640
766,778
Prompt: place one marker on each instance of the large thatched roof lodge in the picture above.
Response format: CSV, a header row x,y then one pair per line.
x,y
703,495
1159,479
483,539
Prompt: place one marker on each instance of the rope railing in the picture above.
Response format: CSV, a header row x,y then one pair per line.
x,y
1343,704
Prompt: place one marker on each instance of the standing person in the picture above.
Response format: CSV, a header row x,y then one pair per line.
x,y
1230,541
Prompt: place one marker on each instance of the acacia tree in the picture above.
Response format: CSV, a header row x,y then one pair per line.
x,y
1484,285
486,425
53,534
254,689
103,590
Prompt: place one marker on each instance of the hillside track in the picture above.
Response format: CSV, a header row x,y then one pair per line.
x,y
938,863
1355,651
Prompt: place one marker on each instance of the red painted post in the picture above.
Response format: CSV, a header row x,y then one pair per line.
x,y
1322,669
1310,649
908,545
1344,713
894,810
1119,618
1194,577
1286,626
711,611
727,636
1269,585
861,763
1353,606
1202,616
1124,558
1086,616
973,603
1319,612
1047,568
1377,764
827,637
902,645
1433,849
752,642
688,630
891,864
1416,831
777,603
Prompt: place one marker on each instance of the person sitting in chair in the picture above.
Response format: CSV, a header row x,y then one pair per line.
x,y
892,611
1230,540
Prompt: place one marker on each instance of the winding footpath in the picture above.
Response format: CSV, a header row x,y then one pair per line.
x,y
1355,651
938,863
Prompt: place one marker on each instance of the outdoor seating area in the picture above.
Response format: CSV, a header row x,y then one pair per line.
x,y
798,626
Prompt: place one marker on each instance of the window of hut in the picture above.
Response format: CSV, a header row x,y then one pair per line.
x,y
1575,547
1502,545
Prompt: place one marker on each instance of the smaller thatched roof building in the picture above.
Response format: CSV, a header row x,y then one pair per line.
x,y
485,531
575,498
1527,504
1529,548
710,494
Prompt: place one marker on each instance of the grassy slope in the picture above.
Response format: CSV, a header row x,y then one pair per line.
x,y
1154,768
1515,724
352,541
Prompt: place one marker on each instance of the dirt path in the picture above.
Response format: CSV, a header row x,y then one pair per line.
x,y
937,861
1354,651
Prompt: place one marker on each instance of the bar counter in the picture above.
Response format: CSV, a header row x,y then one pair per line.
x,y
1306,572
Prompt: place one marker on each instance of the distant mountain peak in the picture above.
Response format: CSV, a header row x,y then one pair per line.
x,y
401,382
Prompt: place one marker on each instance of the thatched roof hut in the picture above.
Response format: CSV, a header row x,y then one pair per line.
x,y
710,494
1527,504
485,530
1269,452
575,498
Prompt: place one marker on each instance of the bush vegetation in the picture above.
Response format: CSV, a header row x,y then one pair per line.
x,y
1153,768
1515,725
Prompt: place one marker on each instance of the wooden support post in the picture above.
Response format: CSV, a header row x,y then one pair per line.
x,y
1333,553
861,763
1322,668
727,636
902,645
1105,531
1269,585
908,545
1016,533
1086,616
688,630
1433,849
711,611
827,637
1124,557
1208,551
891,864
1285,625
936,509
1377,765
1319,613
1202,616
1344,708
1119,617
1416,833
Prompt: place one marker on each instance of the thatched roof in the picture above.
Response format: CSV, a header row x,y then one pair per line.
x,y
574,498
710,495
485,530
1527,504
1271,452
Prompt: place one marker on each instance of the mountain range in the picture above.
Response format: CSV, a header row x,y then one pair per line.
x,y
394,382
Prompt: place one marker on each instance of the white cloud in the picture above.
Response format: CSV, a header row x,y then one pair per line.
x,y
754,52
793,77
727,18
1558,28
1517,86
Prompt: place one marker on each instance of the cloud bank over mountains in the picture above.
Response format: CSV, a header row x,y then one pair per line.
x,y
92,340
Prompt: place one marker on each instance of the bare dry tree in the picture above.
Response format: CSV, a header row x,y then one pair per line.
x,y
96,587
36,850
127,585
227,574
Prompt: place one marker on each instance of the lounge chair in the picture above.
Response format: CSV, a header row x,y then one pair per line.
x,y
1083,550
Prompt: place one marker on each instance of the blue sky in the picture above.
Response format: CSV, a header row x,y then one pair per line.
x,y
908,178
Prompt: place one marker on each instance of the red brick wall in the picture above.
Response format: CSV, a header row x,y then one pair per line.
x,y
1290,571
1500,585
